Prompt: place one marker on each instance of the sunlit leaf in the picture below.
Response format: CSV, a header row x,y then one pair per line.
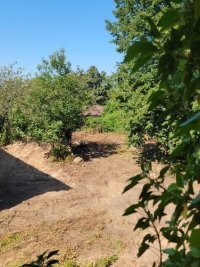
x,y
184,210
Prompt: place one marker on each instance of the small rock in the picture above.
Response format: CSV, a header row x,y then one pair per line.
x,y
79,143
78,160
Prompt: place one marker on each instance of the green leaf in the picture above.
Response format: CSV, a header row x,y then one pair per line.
x,y
142,249
176,1
155,103
196,200
163,171
140,62
194,238
177,151
165,200
170,251
133,51
187,76
176,39
41,257
172,187
197,217
179,179
166,66
145,194
197,9
170,18
195,263
192,224
153,29
155,95
135,178
145,190
134,181
186,129
190,90
130,186
146,49
195,252
132,209
142,165
195,117
155,99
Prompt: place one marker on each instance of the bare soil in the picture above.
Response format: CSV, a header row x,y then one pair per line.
x,y
76,208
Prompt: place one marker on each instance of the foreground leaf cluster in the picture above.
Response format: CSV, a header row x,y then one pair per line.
x,y
174,39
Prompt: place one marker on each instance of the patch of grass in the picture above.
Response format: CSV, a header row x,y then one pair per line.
x,y
61,153
102,262
101,227
10,239
117,244
71,263
90,242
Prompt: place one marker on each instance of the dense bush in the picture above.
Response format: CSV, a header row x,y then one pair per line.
x,y
13,92
47,108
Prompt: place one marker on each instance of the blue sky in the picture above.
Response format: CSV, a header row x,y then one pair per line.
x,y
32,29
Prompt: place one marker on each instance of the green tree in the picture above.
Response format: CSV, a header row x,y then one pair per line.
x,y
179,76
133,89
95,85
54,106
13,91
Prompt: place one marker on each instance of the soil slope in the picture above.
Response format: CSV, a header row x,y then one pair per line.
x,y
76,208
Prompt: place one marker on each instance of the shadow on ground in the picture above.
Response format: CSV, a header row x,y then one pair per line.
x,y
151,151
20,181
92,150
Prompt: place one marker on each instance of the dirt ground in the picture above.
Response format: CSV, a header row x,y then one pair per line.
x,y
76,208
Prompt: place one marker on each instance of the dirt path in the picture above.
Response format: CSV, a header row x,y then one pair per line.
x,y
76,208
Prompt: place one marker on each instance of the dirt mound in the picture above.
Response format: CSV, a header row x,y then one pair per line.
x,y
76,208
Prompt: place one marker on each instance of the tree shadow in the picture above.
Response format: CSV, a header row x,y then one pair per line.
x,y
92,150
152,152
20,181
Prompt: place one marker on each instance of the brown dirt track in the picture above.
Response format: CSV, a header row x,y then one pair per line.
x,y
76,208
